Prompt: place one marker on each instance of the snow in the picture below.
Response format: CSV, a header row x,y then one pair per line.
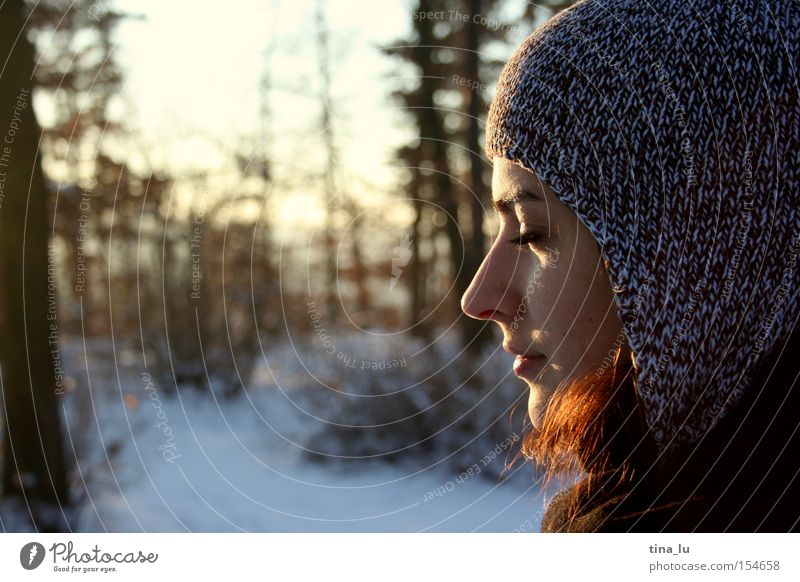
x,y
240,468
151,462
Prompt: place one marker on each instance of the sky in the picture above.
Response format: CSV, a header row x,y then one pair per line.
x,y
192,83
192,95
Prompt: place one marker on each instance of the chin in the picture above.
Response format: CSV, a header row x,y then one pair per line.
x,y
535,409
539,397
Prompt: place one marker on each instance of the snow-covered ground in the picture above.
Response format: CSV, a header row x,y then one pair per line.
x,y
240,469
201,464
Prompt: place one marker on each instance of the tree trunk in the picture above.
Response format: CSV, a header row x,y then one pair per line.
x,y
435,145
33,466
416,274
332,203
474,330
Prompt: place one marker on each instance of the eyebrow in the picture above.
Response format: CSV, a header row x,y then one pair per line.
x,y
504,203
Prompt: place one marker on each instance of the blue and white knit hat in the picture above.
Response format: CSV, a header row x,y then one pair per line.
x,y
672,130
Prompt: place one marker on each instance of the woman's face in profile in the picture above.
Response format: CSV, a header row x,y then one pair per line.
x,y
544,283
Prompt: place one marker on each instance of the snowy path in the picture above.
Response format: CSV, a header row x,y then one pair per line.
x,y
232,472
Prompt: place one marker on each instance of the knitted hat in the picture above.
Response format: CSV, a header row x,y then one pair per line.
x,y
672,130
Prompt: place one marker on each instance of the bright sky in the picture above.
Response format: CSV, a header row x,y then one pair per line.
x,y
193,72
192,77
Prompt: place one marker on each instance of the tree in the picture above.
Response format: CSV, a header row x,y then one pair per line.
x,y
448,113
335,197
33,467
78,75
448,51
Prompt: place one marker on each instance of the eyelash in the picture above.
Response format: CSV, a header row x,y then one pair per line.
x,y
527,238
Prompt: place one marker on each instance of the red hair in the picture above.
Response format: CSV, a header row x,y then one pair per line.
x,y
593,424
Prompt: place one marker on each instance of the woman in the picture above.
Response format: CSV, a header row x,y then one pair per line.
x,y
646,163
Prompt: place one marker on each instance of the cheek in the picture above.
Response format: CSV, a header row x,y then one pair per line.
x,y
584,317
543,287
567,275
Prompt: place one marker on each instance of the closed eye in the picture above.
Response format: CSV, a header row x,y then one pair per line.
x,y
527,238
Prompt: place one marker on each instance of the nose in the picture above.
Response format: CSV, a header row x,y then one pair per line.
x,y
485,295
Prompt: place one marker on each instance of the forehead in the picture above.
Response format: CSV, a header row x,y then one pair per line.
x,y
513,184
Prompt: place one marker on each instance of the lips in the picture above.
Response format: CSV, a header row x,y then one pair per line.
x,y
529,366
526,365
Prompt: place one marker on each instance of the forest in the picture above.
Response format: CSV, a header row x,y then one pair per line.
x,y
233,242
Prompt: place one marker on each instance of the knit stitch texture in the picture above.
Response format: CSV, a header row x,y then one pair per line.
x,y
672,130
